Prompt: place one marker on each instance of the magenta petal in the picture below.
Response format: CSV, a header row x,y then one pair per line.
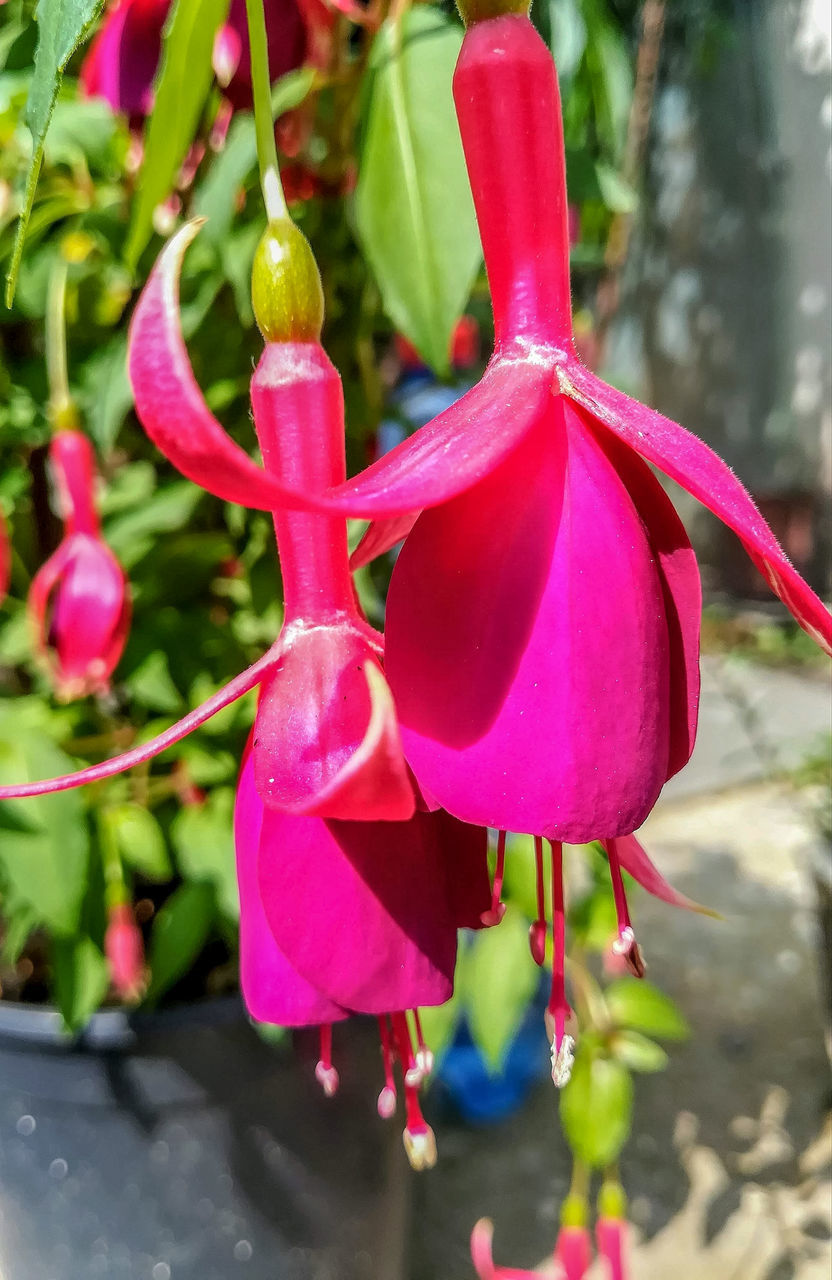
x,y
357,908
464,850
381,536
169,403
457,449
90,616
689,461
138,755
327,741
273,991
633,858
527,646
682,588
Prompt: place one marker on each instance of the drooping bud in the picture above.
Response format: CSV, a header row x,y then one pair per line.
x,y
124,949
472,11
286,291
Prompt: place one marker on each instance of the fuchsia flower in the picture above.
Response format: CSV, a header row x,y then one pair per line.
x,y
542,625
610,1236
121,64
79,600
124,949
573,1251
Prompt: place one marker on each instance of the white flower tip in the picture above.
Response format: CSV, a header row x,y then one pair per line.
x,y
420,1145
387,1103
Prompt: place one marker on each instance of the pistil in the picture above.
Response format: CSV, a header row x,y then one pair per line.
x,y
563,1045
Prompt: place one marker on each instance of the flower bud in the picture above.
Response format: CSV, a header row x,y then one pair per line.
x,y
286,288
124,950
472,11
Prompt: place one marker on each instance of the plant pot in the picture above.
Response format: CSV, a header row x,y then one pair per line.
x,y
179,1146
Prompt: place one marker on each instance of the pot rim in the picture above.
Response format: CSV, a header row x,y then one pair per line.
x,y
41,1026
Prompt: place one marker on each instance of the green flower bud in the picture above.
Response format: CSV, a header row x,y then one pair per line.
x,y
472,11
286,288
612,1202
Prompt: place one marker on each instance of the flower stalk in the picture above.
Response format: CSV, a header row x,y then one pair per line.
x,y
273,196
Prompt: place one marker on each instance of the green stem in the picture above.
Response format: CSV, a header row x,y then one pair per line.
x,y
60,401
115,891
273,196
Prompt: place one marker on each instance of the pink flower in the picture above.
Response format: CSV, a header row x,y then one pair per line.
x,y
122,61
482,1258
610,1236
79,600
326,740
542,624
124,950
355,917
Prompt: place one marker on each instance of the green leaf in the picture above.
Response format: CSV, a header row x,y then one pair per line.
x,y
501,979
107,393
81,980
62,25
568,36
203,838
638,1052
179,934
131,534
640,1005
140,841
413,206
151,685
46,865
181,88
596,1108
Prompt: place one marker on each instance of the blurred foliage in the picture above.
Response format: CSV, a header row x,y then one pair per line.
x,y
204,575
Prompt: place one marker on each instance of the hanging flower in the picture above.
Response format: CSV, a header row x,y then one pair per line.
x,y
124,949
326,740
79,601
122,61
542,623
355,917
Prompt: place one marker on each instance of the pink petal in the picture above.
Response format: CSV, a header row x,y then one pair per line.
x,y
689,461
357,908
635,861
138,755
272,989
380,537
681,586
457,449
326,739
464,851
169,403
527,646
122,59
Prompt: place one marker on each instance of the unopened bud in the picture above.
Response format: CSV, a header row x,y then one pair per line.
x,y
472,11
124,949
286,291
420,1145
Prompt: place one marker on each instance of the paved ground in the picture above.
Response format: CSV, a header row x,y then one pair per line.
x,y
730,1167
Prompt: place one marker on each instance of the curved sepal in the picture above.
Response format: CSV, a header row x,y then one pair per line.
x,y
139,755
380,537
634,860
170,405
692,464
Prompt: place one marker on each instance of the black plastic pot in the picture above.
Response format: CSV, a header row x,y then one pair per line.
x,y
179,1146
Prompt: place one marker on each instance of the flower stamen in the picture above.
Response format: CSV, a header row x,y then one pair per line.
x,y
325,1074
386,1104
537,929
497,909
625,944
418,1137
563,1045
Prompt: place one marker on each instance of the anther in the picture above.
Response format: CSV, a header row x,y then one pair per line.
x,y
424,1055
420,1145
537,930
325,1074
563,1059
387,1098
497,909
625,944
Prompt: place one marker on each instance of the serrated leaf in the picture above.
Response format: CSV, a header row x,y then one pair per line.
x,y
596,1108
180,90
501,979
62,25
140,841
203,838
638,1052
413,206
179,934
46,865
81,979
641,1006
